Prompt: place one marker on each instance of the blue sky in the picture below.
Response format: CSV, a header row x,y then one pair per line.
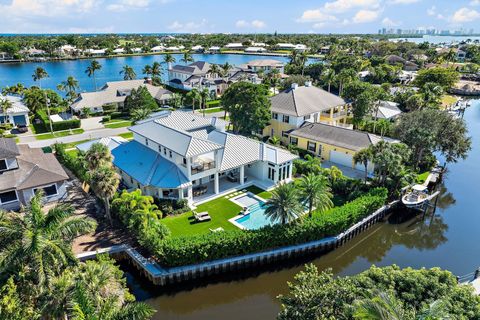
x,y
245,16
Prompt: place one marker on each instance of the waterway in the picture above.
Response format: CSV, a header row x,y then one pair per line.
x,y
438,39
13,73
448,238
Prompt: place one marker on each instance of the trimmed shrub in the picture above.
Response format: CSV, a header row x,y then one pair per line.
x,y
198,248
73,163
106,118
213,104
56,126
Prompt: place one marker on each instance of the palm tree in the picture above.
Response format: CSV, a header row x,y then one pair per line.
x,y
128,73
5,104
382,307
140,114
226,67
157,72
129,201
97,155
105,181
328,78
40,242
169,59
214,70
316,191
187,57
147,70
204,96
363,156
91,69
69,86
194,94
146,213
284,205
38,75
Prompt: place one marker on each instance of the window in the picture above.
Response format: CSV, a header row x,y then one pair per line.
x,y
3,165
9,196
185,161
160,148
164,151
311,146
146,142
170,153
49,190
286,119
275,116
285,134
307,117
294,141
319,149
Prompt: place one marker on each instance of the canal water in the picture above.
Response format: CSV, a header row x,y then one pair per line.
x,y
448,238
13,73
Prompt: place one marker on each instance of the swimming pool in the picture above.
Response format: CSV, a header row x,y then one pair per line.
x,y
256,218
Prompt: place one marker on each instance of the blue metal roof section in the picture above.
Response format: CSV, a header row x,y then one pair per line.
x,y
148,167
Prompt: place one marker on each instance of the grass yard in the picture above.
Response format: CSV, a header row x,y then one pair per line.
x,y
448,100
72,152
422,177
126,135
213,110
74,144
117,123
220,209
60,134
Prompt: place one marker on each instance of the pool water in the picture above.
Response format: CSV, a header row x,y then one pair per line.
x,y
256,219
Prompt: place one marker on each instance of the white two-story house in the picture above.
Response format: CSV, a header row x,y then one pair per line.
x,y
179,155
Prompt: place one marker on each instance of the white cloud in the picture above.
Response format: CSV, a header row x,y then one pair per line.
x,y
316,15
389,22
190,26
475,3
345,5
465,15
124,5
46,8
403,1
364,16
432,11
255,24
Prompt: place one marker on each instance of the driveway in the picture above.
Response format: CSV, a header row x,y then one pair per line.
x,y
347,171
92,123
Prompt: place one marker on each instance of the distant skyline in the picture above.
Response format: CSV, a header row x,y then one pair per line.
x,y
246,16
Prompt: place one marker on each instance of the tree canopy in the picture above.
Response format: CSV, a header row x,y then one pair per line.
x,y
445,77
248,106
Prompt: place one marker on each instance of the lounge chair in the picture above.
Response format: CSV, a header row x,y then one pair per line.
x,y
219,229
202,216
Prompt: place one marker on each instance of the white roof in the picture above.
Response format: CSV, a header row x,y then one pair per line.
x,y
119,50
234,45
110,142
214,48
110,93
17,105
156,48
387,110
197,47
255,49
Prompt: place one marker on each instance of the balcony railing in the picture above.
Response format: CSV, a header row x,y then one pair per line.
x,y
202,166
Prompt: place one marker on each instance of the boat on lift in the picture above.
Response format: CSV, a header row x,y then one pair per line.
x,y
418,196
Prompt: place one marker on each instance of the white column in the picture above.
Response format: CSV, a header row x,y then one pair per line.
x,y
242,175
180,194
216,184
190,193
290,171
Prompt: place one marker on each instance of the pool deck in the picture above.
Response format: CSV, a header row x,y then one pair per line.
x,y
234,200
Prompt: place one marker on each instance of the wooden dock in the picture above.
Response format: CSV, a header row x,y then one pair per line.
x,y
163,276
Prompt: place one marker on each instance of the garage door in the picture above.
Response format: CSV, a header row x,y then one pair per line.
x,y
341,158
19,120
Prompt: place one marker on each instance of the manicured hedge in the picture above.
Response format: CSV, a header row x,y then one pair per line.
x,y
213,103
198,248
70,161
57,126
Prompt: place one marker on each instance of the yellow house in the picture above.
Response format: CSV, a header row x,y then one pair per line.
x,y
292,107
335,144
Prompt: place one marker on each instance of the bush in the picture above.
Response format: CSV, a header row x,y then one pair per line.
x,y
198,248
56,126
172,207
213,104
106,118
73,163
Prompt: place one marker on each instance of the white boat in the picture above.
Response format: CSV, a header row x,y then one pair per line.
x,y
416,197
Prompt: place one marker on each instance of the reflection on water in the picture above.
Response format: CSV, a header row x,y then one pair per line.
x,y
444,237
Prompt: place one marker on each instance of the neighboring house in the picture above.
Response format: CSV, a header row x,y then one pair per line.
x,y
110,142
397,60
158,49
95,52
234,46
214,49
460,55
198,49
292,107
32,52
335,144
324,50
387,110
5,56
255,49
180,155
67,50
115,92
119,51
17,114
265,65
24,170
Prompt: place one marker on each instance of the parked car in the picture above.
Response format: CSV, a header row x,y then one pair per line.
x,y
21,128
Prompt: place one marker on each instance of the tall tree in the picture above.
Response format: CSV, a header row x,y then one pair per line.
x,y
147,70
97,155
363,156
284,206
157,72
70,87
105,181
91,71
169,59
5,104
187,57
39,242
38,75
248,106
316,192
128,73
194,95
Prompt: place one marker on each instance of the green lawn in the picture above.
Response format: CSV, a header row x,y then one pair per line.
x,y
212,110
73,152
220,209
74,144
47,136
448,100
117,123
422,177
127,135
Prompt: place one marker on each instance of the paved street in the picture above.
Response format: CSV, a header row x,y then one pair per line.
x,y
93,134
